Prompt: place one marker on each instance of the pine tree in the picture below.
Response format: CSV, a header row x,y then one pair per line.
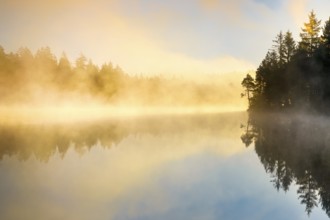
x,y
279,48
81,62
64,64
326,40
310,39
249,85
307,191
45,59
289,47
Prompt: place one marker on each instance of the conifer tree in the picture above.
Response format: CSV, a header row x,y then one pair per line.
x,y
326,41
279,48
289,47
249,85
310,39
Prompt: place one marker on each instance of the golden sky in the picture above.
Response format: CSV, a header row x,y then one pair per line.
x,y
156,37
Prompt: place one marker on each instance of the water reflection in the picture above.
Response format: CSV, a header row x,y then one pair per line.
x,y
173,167
294,149
83,171
44,140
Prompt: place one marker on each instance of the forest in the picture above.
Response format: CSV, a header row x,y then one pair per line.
x,y
289,98
293,75
41,77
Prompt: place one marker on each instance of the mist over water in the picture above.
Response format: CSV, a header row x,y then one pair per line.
x,y
86,142
163,167
93,166
181,122
43,88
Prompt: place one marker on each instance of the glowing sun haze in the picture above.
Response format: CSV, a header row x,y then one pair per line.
x,y
156,37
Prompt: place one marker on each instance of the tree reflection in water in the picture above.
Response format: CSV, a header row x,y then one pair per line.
x,y
43,141
294,149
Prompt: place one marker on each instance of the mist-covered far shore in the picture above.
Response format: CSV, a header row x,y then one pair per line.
x,y
43,81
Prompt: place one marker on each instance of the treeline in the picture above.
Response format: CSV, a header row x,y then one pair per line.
x,y
26,77
23,73
294,74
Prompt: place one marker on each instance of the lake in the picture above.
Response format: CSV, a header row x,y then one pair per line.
x,y
188,166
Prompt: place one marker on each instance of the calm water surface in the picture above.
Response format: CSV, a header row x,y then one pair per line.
x,y
169,167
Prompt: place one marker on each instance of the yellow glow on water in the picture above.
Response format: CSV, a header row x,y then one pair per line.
x,y
76,113
102,174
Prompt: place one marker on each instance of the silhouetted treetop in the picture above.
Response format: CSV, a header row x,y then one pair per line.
x,y
295,75
310,36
